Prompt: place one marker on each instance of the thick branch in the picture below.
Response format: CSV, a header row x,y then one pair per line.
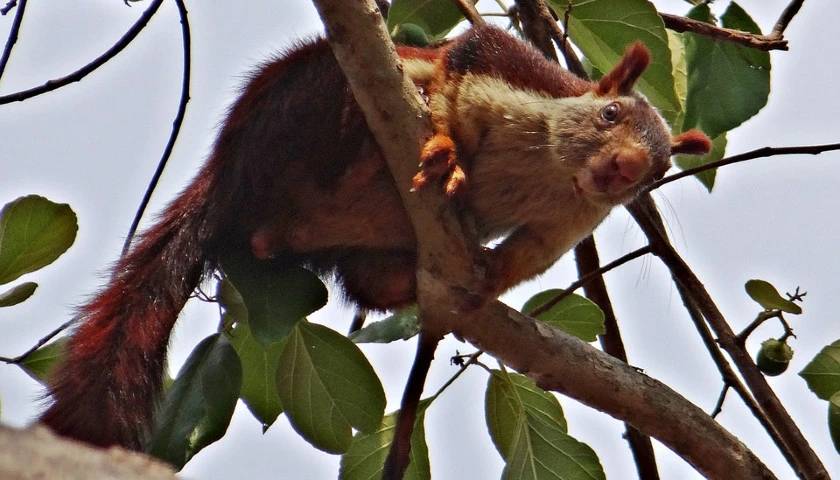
x,y
808,465
90,67
558,361
562,363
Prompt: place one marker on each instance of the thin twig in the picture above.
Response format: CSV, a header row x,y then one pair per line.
x,y
176,125
587,278
90,67
752,40
13,36
741,157
719,405
762,317
784,19
20,358
471,360
8,6
467,8
561,38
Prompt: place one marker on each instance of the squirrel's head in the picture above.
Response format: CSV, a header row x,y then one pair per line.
x,y
632,143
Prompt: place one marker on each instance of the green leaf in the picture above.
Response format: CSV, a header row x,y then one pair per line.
x,y
259,374
197,408
17,294
435,17
727,83
401,325
327,386
768,297
834,420
603,29
277,297
411,34
679,68
528,428
706,177
574,314
823,372
41,363
366,456
33,233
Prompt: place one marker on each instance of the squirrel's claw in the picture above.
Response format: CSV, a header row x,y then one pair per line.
x,y
438,159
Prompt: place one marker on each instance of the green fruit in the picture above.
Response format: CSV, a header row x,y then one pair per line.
x,y
411,34
774,357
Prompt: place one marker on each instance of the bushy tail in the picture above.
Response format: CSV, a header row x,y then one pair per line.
x,y
105,392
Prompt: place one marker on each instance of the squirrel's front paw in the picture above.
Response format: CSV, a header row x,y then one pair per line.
x,y
439,159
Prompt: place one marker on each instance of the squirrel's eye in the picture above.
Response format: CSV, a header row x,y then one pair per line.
x,y
610,112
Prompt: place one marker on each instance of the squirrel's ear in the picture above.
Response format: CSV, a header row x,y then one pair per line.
x,y
692,142
623,76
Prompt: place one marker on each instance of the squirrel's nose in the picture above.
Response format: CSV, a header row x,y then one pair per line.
x,y
631,164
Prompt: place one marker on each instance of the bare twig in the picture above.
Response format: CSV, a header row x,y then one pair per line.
x,y
719,405
8,6
752,40
176,125
583,280
90,67
784,19
561,38
472,359
20,358
762,317
13,36
806,462
741,157
467,8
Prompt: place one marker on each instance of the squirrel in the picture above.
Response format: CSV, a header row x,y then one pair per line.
x,y
530,151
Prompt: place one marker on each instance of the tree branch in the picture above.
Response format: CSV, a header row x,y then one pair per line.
x,y
467,8
90,67
13,36
759,42
556,360
588,263
565,364
176,125
742,157
807,463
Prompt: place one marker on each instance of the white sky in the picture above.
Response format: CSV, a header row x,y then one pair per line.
x,y
95,144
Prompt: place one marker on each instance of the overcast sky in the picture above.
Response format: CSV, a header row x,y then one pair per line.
x,y
95,144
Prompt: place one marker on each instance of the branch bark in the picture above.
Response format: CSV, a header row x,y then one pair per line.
x,y
759,42
37,453
557,361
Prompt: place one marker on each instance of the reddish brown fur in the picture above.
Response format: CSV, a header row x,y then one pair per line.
x,y
691,142
295,173
620,80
